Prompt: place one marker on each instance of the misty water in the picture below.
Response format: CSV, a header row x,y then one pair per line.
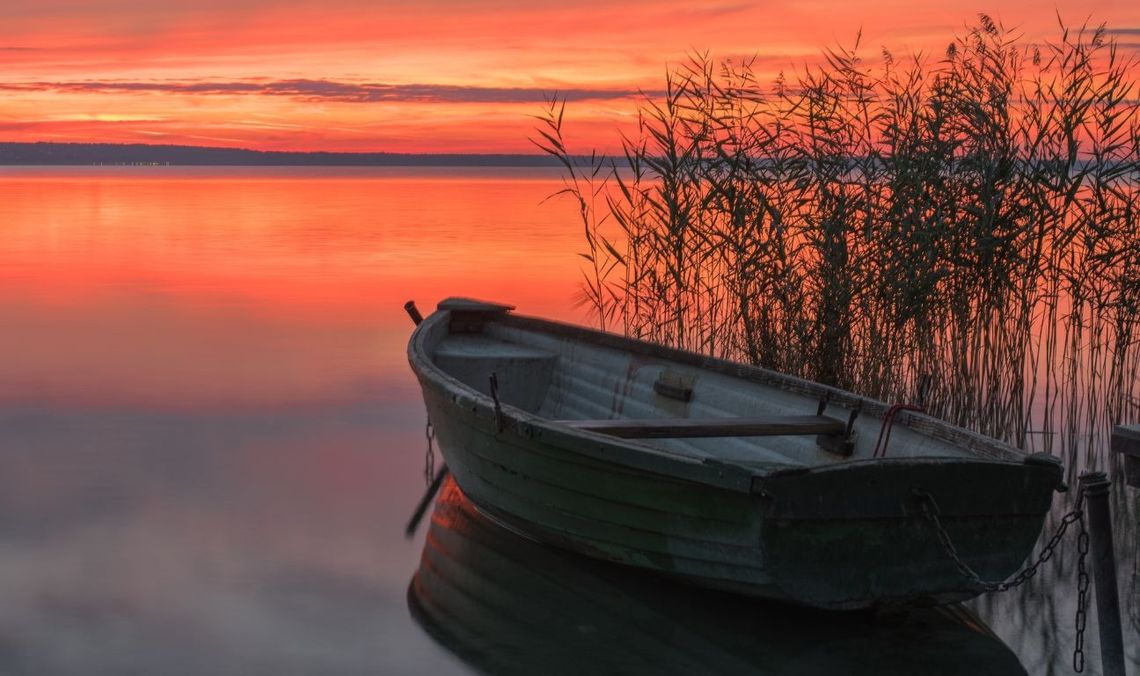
x,y
210,443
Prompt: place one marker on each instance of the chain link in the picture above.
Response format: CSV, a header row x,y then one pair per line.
x,y
930,511
429,455
1082,600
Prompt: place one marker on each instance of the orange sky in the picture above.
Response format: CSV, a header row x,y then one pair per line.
x,y
419,75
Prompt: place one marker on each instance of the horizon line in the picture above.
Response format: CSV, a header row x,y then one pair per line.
x,y
112,144
81,153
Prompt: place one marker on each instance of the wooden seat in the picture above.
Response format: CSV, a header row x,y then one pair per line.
x,y
681,428
523,372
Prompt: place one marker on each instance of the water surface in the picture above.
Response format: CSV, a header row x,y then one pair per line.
x,y
210,440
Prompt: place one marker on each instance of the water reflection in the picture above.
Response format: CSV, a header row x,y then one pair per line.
x,y
1037,620
205,410
507,605
207,542
210,440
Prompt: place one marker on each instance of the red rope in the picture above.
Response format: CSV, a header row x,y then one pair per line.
x,y
888,423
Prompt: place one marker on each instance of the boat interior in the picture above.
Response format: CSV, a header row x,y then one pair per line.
x,y
669,404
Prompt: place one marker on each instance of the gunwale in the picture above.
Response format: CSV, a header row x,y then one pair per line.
x,y
475,405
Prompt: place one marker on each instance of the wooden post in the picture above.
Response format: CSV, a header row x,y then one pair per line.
x,y
1126,441
1095,487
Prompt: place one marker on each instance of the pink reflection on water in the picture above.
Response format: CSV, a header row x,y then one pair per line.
x,y
193,286
211,439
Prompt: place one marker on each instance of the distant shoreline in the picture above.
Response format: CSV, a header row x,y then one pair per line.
x,y
114,154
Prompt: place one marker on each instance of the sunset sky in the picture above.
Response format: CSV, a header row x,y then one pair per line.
x,y
421,75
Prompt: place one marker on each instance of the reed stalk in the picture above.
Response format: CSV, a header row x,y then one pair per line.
x,y
965,225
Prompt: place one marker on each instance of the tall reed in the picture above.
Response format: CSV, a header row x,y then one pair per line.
x,y
962,229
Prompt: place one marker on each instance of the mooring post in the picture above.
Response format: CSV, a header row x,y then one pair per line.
x,y
1095,488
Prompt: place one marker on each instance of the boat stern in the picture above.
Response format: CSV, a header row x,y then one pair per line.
x,y
859,534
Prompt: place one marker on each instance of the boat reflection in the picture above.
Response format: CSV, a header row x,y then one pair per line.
x,y
507,605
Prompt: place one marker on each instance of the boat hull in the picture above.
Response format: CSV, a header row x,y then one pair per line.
x,y
508,605
836,533
840,538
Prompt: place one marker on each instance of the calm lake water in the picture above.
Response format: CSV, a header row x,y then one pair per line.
x,y
210,443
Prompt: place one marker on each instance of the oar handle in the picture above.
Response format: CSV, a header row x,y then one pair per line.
x,y
418,515
413,312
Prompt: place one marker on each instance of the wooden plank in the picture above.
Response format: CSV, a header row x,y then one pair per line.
x,y
469,315
683,428
1126,441
965,442
673,390
456,303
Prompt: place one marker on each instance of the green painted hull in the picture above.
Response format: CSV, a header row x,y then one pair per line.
x,y
508,605
840,536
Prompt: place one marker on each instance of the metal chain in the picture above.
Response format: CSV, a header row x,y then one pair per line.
x,y
1082,600
930,511
429,456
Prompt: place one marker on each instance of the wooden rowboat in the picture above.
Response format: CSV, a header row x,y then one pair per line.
x,y
729,476
505,604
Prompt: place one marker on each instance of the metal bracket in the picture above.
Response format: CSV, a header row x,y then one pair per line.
x,y
500,422
842,446
823,401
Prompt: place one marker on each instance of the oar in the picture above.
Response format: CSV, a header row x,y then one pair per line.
x,y
413,312
437,481
418,515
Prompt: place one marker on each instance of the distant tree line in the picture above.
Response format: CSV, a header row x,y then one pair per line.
x,y
143,154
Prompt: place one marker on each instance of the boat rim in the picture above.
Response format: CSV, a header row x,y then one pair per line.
x,y
981,449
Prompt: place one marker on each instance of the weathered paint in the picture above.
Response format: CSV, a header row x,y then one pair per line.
x,y
1126,441
775,517
508,605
